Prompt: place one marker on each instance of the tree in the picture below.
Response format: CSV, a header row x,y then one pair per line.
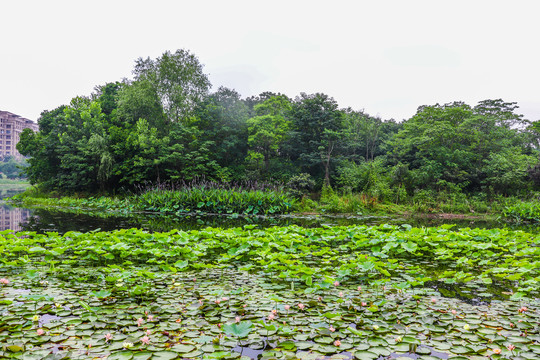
x,y
269,129
222,118
177,80
317,132
365,136
453,142
11,167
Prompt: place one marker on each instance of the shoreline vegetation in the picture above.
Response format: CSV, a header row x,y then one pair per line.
x,y
236,201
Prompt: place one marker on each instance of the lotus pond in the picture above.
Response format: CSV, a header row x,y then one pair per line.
x,y
341,292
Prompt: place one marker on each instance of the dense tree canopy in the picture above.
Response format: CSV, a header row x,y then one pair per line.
x,y
458,144
166,125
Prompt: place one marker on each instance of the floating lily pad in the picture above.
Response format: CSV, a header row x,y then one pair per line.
x,y
121,355
165,355
365,355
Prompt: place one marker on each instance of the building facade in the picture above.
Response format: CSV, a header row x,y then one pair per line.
x,y
11,126
13,218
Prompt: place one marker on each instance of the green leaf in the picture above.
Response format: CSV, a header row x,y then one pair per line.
x,y
239,330
121,355
409,246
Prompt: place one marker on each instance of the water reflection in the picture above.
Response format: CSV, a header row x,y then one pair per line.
x,y
51,220
13,218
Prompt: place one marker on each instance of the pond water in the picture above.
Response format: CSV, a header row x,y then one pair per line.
x,y
50,220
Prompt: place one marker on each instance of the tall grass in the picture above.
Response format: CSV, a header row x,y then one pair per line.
x,y
210,197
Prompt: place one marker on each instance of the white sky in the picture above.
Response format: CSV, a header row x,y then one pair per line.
x,y
386,57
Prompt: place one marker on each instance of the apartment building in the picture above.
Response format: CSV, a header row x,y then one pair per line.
x,y
11,126
13,218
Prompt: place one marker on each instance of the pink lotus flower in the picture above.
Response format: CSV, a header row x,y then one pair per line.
x,y
271,316
237,319
4,281
108,337
150,317
140,321
341,294
287,307
148,332
496,351
145,340
331,328
336,283
274,311
244,306
337,343
224,298
454,312
364,303
217,301
511,347
40,332
359,288
301,306
200,301
522,309
433,300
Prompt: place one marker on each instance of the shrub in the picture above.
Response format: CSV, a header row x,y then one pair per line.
x,y
218,198
300,185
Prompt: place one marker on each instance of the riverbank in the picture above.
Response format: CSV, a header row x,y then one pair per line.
x,y
212,199
171,205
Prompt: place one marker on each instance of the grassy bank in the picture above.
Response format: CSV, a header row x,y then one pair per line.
x,y
231,201
423,202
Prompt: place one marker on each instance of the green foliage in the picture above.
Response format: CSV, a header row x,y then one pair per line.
x,y
317,124
461,145
222,118
193,197
523,211
351,253
365,136
240,330
164,125
506,171
177,80
12,168
297,284
268,130
300,185
126,134
213,198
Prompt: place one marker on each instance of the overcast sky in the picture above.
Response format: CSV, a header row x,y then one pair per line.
x,y
386,57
